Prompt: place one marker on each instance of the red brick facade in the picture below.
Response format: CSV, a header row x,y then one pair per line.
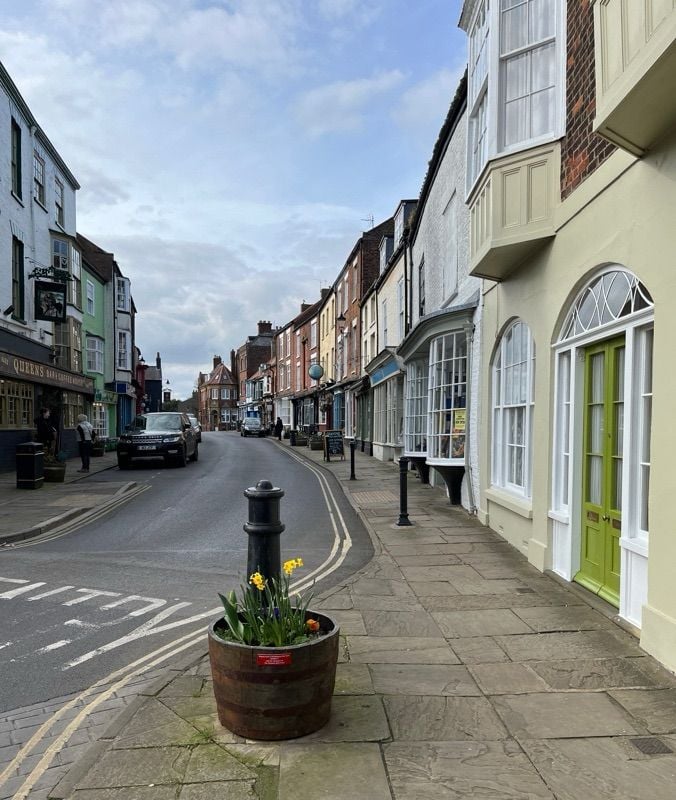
x,y
582,151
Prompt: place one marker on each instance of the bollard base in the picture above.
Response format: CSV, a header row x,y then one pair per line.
x,y
404,521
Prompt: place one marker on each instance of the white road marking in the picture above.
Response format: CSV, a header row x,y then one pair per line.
x,y
88,595
12,580
23,590
78,623
54,646
49,594
152,604
6,644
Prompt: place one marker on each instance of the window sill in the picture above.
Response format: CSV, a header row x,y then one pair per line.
x,y
41,204
639,546
559,516
17,198
519,506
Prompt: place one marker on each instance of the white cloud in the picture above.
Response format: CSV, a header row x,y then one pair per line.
x,y
422,108
341,106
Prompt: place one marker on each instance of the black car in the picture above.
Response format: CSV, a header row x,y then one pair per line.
x,y
196,426
164,434
251,426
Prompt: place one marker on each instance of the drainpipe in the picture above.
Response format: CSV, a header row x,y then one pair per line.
x,y
469,337
407,283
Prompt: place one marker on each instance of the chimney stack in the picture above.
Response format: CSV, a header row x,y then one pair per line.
x,y
264,327
217,361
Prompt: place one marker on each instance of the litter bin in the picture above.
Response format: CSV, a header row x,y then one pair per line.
x,y
29,465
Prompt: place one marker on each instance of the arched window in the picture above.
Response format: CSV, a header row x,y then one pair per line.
x,y
513,380
608,298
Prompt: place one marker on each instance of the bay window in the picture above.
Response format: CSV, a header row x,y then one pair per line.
x,y
94,354
448,396
415,437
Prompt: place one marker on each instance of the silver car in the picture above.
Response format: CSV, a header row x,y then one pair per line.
x,y
196,426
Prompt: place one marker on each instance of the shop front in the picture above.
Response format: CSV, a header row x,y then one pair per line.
x,y
27,384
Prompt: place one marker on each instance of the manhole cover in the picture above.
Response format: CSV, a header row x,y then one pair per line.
x,y
651,746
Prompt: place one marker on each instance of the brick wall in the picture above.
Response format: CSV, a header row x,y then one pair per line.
x,y
582,150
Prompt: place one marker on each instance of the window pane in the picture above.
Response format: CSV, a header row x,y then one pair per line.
x,y
541,19
514,28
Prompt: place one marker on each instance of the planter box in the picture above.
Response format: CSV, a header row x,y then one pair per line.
x,y
316,444
301,441
54,473
273,693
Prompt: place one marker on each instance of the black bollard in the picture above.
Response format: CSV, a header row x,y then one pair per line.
x,y
264,528
353,447
292,438
403,492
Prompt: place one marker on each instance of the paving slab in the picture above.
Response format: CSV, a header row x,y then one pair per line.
x,y
563,618
490,622
655,708
471,602
444,680
589,674
232,790
507,678
602,768
213,762
138,767
479,650
582,644
442,719
462,771
156,725
353,719
394,650
353,679
350,621
396,623
433,588
332,772
132,793
559,715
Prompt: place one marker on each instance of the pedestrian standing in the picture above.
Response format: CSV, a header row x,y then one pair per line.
x,y
46,431
85,437
279,427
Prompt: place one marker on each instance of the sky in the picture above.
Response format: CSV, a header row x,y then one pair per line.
x,y
231,152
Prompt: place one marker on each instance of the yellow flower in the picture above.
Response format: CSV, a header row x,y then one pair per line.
x,y
291,564
258,581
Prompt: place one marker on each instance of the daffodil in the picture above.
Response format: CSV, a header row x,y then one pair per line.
x,y
258,581
291,564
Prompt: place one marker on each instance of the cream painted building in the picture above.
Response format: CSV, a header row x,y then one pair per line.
x,y
577,241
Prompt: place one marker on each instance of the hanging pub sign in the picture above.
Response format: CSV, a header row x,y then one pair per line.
x,y
50,301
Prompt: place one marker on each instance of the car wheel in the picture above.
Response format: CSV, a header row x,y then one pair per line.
x,y
181,459
123,463
196,454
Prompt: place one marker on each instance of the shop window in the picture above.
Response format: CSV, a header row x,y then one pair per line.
x,y
415,437
16,404
448,397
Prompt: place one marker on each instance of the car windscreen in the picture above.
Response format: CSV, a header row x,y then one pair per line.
x,y
158,422
253,423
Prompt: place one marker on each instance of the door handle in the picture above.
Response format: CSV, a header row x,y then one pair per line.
x,y
605,518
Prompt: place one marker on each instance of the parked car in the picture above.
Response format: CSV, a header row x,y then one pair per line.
x,y
196,426
162,434
251,426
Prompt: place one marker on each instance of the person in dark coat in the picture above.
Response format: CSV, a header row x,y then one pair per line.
x,y
46,431
279,427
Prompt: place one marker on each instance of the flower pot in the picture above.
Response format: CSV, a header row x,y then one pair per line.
x,y
98,450
54,473
274,693
316,444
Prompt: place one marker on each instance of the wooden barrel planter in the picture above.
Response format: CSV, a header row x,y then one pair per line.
x,y
273,693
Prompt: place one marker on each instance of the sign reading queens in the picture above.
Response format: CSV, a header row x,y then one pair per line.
x,y
35,372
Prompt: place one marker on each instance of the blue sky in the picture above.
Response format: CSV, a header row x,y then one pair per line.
x,y
231,151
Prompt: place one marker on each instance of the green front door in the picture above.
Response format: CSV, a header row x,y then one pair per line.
x,y
602,469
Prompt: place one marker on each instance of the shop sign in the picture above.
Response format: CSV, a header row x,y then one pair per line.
x,y
103,396
50,301
23,369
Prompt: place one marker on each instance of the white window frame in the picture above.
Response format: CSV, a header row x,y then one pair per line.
x,y
94,354
91,298
123,355
383,322
313,333
486,134
447,404
416,404
400,309
39,185
59,202
509,401
122,294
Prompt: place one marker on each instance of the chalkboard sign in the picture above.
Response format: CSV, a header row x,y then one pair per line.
x,y
333,444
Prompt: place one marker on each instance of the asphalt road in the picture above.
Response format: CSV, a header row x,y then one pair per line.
x,y
96,598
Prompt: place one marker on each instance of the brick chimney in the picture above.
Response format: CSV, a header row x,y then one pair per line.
x,y
217,361
325,292
264,327
304,307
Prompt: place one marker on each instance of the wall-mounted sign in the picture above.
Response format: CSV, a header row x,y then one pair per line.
x,y
50,301
315,371
35,372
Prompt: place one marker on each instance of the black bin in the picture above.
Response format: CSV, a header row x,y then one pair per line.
x,y
29,465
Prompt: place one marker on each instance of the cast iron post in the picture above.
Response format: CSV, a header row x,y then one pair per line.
x,y
403,492
353,446
264,529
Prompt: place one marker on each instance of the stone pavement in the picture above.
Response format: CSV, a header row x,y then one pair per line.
x,y
464,673
26,513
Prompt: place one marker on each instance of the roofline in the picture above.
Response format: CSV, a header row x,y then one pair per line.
x,y
15,95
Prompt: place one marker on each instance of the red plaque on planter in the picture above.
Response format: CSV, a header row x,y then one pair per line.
x,y
273,659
